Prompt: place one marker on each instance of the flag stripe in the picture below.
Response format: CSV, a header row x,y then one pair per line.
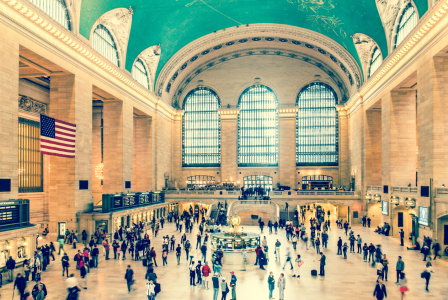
x,y
61,132
65,128
58,149
61,143
66,123
57,137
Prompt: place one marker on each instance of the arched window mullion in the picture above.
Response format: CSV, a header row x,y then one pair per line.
x,y
408,21
103,42
257,127
317,126
201,126
140,74
56,9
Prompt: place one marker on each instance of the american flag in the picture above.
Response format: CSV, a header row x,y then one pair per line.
x,y
57,137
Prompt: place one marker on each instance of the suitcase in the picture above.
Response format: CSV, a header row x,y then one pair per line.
x,y
157,288
314,271
91,265
145,262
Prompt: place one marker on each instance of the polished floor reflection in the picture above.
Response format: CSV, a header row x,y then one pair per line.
x,y
345,279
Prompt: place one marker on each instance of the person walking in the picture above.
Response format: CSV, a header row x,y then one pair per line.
x,y
299,263
151,290
178,252
322,264
399,268
271,284
294,241
359,243
402,237
10,266
129,277
192,273
206,275
95,253
83,274
233,285
106,246
339,246
281,287
403,285
344,250
317,244
204,252
224,289
365,250
288,259
427,274
244,259
215,280
385,263
436,249
277,249
20,283
61,245
380,291
124,247
65,264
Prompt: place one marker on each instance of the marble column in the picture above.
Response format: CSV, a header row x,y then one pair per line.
x,y
177,148
118,121
229,143
70,101
344,159
286,145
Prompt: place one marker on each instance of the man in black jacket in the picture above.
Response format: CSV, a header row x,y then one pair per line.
x,y
380,291
11,265
95,253
35,290
340,246
20,283
215,280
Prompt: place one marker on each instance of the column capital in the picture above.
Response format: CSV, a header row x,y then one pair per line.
x,y
229,113
178,114
288,112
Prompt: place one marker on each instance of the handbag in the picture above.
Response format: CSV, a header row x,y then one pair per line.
x,y
227,288
301,263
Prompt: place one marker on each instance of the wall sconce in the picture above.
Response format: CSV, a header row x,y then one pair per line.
x,y
395,200
368,196
377,197
410,202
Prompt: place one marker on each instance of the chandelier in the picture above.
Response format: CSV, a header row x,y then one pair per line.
x,y
99,171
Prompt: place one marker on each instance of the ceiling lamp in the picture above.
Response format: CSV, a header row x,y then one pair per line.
x,y
99,171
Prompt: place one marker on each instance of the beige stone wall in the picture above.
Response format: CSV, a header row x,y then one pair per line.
x,y
70,101
287,151
118,121
344,157
9,90
356,136
143,175
163,149
97,187
229,149
373,148
177,150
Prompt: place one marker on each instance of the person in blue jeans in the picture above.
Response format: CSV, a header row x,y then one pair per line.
x,y
215,280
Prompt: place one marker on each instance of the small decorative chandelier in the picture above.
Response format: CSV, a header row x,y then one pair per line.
x,y
99,171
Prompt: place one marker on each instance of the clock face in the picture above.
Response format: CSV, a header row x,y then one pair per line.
x,y
235,220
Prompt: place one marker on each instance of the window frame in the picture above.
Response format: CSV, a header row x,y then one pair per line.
x,y
144,72
242,162
317,137
111,43
44,5
217,146
401,26
374,59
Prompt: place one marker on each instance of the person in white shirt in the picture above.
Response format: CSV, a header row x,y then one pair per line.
x,y
150,290
427,274
379,271
72,282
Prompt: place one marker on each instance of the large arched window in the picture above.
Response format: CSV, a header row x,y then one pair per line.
x,y
56,9
376,61
408,21
201,129
103,42
257,127
317,126
139,73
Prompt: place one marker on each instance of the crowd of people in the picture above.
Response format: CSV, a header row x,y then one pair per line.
x,y
205,270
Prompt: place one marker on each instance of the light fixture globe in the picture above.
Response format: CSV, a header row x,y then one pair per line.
x,y
235,221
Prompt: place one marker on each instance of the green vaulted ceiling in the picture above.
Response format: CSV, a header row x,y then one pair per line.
x,y
175,23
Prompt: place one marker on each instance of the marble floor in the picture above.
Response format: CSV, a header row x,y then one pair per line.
x,y
345,279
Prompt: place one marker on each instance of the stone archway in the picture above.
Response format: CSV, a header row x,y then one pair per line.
x,y
442,233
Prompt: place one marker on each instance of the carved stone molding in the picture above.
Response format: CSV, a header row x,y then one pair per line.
x,y
30,105
364,45
275,33
151,56
119,22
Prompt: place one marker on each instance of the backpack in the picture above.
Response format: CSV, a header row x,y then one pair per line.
x,y
227,288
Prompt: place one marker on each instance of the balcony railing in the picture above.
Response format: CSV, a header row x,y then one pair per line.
x,y
408,190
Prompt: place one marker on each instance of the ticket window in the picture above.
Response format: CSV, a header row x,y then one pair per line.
x,y
21,253
4,256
